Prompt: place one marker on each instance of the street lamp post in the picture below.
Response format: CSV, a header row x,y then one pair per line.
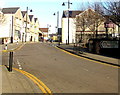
x,y
57,26
57,19
68,16
26,23
12,30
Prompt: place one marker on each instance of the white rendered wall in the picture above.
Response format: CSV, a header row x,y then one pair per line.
x,y
72,30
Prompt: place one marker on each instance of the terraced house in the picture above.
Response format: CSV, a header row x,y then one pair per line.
x,y
18,26
37,32
26,26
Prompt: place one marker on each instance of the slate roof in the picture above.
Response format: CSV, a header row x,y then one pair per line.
x,y
35,19
23,13
30,16
10,10
72,14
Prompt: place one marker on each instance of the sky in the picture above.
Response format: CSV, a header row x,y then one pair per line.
x,y
44,9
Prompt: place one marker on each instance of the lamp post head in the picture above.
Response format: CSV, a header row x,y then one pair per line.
x,y
63,4
54,14
31,10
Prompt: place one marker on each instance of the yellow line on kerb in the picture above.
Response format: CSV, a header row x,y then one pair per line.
x,y
11,50
39,83
86,58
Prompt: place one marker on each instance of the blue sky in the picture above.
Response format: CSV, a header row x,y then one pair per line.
x,y
44,9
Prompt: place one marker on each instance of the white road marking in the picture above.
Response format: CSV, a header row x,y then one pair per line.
x,y
86,70
19,65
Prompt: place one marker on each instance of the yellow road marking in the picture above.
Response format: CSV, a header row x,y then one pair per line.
x,y
40,84
11,50
48,90
86,58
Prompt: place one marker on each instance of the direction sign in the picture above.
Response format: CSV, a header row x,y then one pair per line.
x,y
109,44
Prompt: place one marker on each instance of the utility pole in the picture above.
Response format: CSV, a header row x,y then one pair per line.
x,y
12,30
57,26
26,24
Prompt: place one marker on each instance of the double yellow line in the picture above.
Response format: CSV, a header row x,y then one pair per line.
x,y
87,58
39,83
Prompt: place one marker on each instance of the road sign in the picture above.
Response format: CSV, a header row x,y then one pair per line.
x,y
109,44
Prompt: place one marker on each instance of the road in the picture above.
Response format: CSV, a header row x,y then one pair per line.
x,y
64,73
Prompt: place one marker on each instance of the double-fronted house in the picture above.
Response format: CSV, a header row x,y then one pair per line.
x,y
12,28
37,32
44,33
32,25
3,36
26,27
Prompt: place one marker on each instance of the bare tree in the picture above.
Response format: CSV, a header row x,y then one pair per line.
x,y
2,18
113,11
94,20
81,24
95,17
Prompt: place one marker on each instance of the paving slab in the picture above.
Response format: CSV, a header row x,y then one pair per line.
x,y
16,82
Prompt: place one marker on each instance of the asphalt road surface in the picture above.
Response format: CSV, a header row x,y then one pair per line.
x,y
64,73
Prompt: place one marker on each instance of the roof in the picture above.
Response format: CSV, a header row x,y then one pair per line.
x,y
35,19
10,10
43,29
72,14
30,16
1,12
23,13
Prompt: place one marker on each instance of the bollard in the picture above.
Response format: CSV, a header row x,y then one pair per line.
x,y
66,42
6,47
10,61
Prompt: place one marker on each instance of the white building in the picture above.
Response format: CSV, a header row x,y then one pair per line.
x,y
12,27
17,26
72,26
36,30
3,24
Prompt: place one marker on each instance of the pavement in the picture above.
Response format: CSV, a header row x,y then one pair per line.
x,y
82,51
15,82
